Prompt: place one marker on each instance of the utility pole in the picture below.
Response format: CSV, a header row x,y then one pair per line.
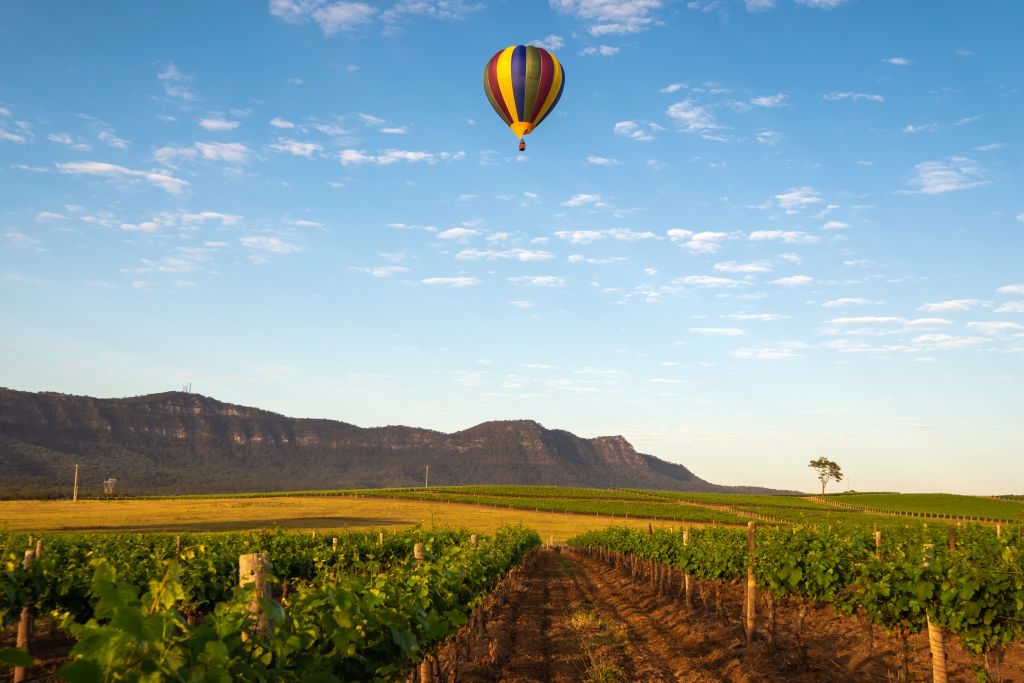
x,y
75,495
426,481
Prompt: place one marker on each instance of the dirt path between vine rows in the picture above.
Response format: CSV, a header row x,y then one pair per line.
x,y
569,617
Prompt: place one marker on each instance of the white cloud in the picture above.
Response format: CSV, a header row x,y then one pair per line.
x,y
846,301
769,137
580,236
273,245
793,280
869,320
785,236
945,342
769,101
169,156
995,327
278,122
937,177
11,137
712,282
395,130
736,267
582,199
765,317
218,124
852,96
388,271
301,149
923,128
951,305
672,87
603,161
759,5
526,255
49,216
332,18
349,157
821,4
706,242
898,61
603,50
551,42
160,179
456,282
458,234
1011,307
176,83
692,117
231,152
797,198
644,132
835,225
1012,289
605,17
538,280
780,351
66,139
521,304
718,331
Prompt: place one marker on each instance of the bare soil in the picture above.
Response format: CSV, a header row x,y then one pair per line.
x,y
570,617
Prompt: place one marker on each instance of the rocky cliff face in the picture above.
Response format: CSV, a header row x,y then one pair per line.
x,y
186,443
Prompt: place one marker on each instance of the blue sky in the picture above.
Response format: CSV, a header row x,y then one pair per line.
x,y
751,234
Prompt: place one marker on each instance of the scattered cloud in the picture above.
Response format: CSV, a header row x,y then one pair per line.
x,y
691,117
950,305
301,149
835,225
230,152
1012,289
603,50
706,242
455,282
736,267
525,255
332,18
605,17
538,280
642,131
937,177
551,42
160,179
770,101
583,199
278,122
836,96
718,331
784,236
176,83
898,61
603,161
797,199
354,157
218,124
995,327
793,280
846,301
458,234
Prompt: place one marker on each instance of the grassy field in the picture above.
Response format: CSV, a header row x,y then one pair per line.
x,y
303,513
557,513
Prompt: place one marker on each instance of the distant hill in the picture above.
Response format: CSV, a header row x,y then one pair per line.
x,y
179,442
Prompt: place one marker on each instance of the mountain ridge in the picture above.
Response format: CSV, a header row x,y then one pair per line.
x,y
178,442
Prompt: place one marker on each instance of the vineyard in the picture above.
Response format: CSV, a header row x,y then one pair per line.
x,y
849,596
364,607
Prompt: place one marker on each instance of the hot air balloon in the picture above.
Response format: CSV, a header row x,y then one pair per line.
x,y
524,84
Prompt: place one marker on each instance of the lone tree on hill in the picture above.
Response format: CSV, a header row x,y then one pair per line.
x,y
827,470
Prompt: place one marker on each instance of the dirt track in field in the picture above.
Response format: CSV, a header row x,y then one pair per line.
x,y
569,617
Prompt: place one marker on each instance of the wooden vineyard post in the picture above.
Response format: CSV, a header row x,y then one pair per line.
x,y
751,585
417,551
177,545
473,541
936,634
253,569
25,625
334,544
952,539
999,530
878,544
380,539
687,581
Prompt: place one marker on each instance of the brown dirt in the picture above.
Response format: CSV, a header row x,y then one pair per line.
x,y
570,617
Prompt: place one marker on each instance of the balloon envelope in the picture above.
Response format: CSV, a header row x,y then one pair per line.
x,y
523,84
